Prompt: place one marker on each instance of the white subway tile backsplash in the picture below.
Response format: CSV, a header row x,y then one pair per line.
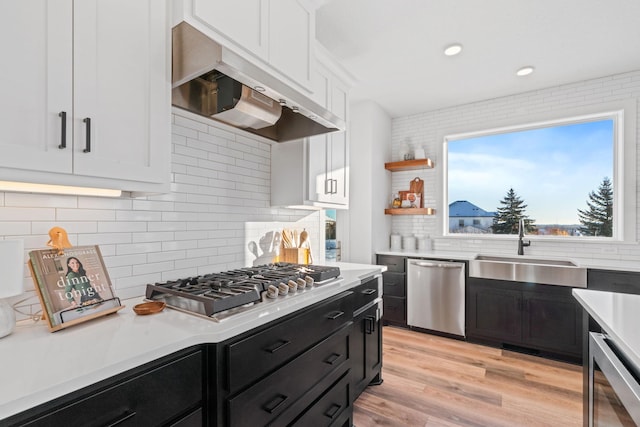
x,y
121,226
40,200
15,228
103,238
33,214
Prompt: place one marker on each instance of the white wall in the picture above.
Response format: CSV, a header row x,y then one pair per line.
x,y
219,202
364,229
427,130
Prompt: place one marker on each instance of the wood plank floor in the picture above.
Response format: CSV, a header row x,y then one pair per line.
x,y
435,381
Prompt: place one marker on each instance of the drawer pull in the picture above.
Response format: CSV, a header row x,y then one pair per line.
x,y
332,359
333,411
272,406
334,315
122,418
277,346
369,291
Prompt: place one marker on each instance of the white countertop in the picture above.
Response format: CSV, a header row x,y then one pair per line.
x,y
619,316
37,365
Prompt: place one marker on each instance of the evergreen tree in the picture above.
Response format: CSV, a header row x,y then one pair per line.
x,y
509,214
597,220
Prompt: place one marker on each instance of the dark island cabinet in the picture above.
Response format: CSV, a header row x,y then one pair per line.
x,y
542,319
366,339
395,290
169,391
292,370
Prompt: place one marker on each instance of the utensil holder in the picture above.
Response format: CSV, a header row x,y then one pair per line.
x,y
295,255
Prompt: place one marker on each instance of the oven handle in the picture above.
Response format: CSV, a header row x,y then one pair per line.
x,y
624,384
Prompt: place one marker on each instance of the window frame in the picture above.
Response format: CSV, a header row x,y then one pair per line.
x,y
623,179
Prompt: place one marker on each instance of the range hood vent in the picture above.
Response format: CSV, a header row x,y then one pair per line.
x,y
212,81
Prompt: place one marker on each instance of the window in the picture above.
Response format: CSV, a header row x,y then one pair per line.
x,y
561,177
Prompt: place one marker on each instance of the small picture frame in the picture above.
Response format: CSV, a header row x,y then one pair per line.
x,y
410,200
73,285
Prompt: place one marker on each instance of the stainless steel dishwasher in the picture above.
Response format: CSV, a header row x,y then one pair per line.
x,y
435,295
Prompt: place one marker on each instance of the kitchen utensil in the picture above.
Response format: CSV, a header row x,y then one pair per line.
x,y
286,238
149,307
417,186
303,238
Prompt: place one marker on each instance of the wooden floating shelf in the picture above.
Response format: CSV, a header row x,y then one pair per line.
x,y
410,211
407,165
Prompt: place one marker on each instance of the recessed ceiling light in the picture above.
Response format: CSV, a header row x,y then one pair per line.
x,y
524,71
452,50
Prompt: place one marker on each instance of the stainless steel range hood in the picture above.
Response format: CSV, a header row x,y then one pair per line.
x,y
212,81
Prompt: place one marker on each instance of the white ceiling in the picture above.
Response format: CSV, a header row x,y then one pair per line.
x,y
394,47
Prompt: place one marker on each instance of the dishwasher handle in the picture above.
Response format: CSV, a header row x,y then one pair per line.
x,y
437,265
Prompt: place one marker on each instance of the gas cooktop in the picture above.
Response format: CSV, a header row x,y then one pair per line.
x,y
217,295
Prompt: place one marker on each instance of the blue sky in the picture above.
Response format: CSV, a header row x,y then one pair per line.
x,y
552,169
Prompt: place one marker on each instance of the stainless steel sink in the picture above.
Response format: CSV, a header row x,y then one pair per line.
x,y
529,270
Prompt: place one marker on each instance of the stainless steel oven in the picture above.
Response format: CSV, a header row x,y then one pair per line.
x,y
614,386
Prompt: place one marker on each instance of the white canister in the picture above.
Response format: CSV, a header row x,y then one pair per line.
x,y
409,243
425,244
396,242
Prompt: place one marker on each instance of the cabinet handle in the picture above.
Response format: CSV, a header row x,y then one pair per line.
x,y
272,406
122,418
332,359
369,325
63,132
277,346
327,186
87,148
369,291
333,411
334,315
334,186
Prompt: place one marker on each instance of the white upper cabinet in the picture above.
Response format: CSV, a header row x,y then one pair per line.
x,y
315,171
36,85
275,35
291,28
121,83
102,60
242,22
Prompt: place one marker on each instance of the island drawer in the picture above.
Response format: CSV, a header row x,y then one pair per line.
x,y
163,394
332,407
365,293
261,403
255,356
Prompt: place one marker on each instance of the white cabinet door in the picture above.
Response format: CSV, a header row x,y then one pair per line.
x,y
338,152
36,84
121,85
291,28
317,164
242,22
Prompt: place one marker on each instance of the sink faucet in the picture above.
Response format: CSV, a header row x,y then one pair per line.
x,y
521,243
